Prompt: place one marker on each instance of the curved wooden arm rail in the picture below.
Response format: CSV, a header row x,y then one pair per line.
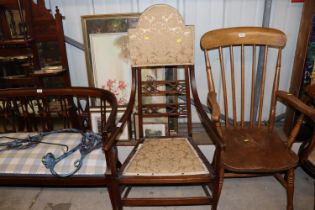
x,y
214,106
252,147
293,101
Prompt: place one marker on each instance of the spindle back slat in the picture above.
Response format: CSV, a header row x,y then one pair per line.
x,y
243,44
226,111
262,87
253,87
242,86
233,84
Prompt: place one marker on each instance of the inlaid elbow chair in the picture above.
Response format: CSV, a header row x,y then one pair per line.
x,y
252,147
161,41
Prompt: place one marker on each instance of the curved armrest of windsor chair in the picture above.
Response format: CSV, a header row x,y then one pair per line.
x,y
299,105
296,103
214,106
208,123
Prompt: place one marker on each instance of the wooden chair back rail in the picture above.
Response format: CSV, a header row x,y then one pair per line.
x,y
153,110
251,36
35,109
229,42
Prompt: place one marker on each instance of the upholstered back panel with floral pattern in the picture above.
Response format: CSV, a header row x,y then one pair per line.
x,y
161,38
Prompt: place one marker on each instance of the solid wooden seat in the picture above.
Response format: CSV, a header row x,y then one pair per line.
x,y
256,150
242,60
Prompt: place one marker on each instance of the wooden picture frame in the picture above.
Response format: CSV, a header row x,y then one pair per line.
x,y
95,122
154,129
149,123
106,48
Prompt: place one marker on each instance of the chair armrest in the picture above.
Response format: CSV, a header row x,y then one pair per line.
x,y
118,130
211,130
296,103
107,146
214,106
109,142
205,120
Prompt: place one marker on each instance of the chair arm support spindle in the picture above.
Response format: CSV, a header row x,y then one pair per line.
x,y
208,124
214,106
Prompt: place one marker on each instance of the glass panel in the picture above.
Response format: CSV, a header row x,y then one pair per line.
x,y
17,27
48,54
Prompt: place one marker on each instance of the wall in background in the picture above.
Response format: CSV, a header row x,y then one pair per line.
x,y
204,14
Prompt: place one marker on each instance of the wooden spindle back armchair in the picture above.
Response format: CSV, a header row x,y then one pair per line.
x,y
253,145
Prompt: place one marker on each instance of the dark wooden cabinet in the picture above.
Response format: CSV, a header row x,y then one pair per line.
x,y
32,45
296,86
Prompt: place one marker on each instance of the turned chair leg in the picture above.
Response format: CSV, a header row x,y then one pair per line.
x,y
114,195
290,188
217,188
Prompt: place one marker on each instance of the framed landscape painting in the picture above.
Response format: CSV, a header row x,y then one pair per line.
x,y
106,51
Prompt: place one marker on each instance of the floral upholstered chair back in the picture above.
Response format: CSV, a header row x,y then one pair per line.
x,y
161,38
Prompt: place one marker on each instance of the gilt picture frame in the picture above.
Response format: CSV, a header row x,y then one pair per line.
x,y
106,52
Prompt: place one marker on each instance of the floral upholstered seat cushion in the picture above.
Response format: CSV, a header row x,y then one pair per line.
x,y
165,157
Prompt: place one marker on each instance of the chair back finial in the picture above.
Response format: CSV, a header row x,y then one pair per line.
x,y
161,38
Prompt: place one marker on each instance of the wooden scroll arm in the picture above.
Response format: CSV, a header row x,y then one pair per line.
x,y
111,141
214,106
296,103
205,120
109,144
